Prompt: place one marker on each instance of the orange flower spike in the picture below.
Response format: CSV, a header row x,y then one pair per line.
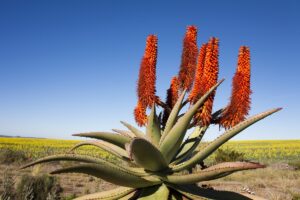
x,y
195,93
147,75
140,114
209,79
188,59
240,100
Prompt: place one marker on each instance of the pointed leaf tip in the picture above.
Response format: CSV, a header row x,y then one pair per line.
x,y
112,138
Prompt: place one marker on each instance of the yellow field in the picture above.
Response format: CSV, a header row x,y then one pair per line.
x,y
36,148
267,149
260,150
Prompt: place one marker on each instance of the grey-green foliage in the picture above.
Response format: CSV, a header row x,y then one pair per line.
x,y
228,155
157,163
8,186
40,187
9,156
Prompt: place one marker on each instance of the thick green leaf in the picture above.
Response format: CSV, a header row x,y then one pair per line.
x,y
153,127
114,194
113,138
133,129
197,193
157,192
111,174
211,147
173,116
146,155
171,144
108,147
131,196
124,133
64,157
190,144
88,159
211,173
176,196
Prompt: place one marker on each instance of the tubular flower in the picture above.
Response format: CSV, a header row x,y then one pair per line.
x,y
172,96
240,100
140,114
147,75
209,78
195,93
188,59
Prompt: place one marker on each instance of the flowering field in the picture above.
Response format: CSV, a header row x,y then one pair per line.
x,y
36,148
259,150
267,150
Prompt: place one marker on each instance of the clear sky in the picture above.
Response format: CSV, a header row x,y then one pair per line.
x,y
72,66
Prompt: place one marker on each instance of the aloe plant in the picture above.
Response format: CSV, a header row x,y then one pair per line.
x,y
161,163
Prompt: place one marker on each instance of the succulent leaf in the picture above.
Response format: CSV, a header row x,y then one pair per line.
x,y
124,133
153,127
214,145
87,159
211,173
114,175
108,147
133,129
64,157
173,116
157,192
147,155
171,144
131,196
190,144
177,196
113,138
108,195
198,193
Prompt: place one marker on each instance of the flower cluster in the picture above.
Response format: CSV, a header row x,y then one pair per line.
x,y
198,72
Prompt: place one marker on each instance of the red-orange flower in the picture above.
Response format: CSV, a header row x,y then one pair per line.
x,y
195,92
140,114
209,79
188,59
240,100
147,75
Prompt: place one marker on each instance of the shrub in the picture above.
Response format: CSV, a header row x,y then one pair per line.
x,y
228,155
8,187
8,156
42,187
295,164
296,197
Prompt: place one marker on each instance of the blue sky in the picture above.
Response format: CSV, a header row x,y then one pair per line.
x,y
72,66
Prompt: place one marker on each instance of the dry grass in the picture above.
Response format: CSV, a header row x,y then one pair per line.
x,y
271,183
